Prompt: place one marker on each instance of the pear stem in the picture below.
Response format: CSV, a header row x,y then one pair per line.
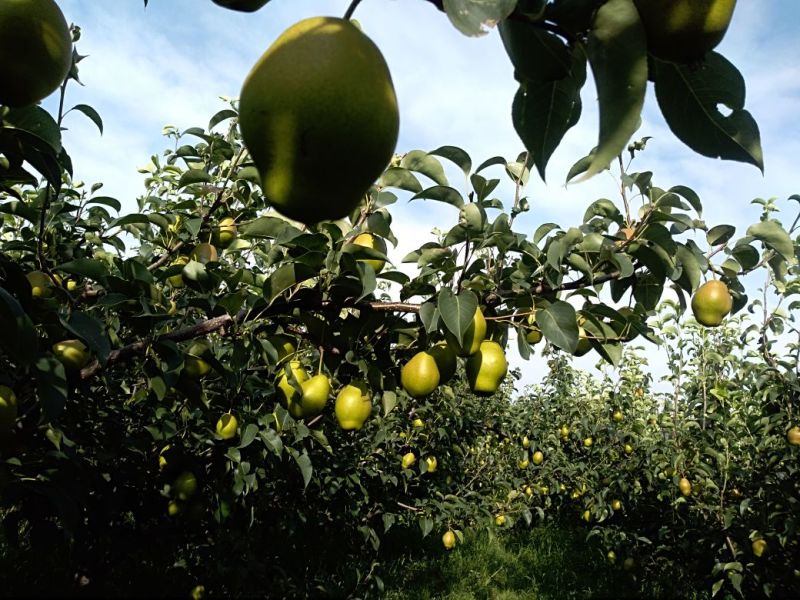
x,y
351,9
321,355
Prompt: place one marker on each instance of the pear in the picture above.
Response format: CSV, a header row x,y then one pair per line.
x,y
420,375
487,368
446,360
353,405
315,394
287,393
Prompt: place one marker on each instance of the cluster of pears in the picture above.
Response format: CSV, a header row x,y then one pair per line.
x,y
307,396
486,363
319,117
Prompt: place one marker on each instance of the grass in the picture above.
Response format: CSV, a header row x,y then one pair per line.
x,y
545,563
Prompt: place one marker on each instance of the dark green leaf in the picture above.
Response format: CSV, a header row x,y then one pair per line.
x,y
690,98
471,17
18,337
93,115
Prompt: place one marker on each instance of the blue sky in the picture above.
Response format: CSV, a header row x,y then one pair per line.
x,y
170,63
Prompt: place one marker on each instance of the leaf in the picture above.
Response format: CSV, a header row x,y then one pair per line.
x,y
51,385
132,219
85,267
249,434
389,401
457,312
37,121
400,178
720,234
559,325
537,55
304,462
193,176
617,51
106,201
543,112
472,17
773,236
93,115
455,155
90,330
18,337
285,277
269,227
422,162
220,117
689,99
441,193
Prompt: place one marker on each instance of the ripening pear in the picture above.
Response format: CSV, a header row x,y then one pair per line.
x,y
449,540
711,303
446,360
375,242
353,405
316,392
287,392
684,31
35,50
227,426
193,364
318,114
8,408
487,368
73,354
420,375
685,486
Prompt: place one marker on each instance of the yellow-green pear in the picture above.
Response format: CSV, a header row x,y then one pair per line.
x,y
446,360
487,368
73,354
8,408
353,405
420,375
316,392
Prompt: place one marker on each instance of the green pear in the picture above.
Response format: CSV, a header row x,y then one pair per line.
x,y
487,368
316,392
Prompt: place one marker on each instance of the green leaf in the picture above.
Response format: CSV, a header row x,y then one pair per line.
x,y
93,115
471,17
441,193
90,330
422,162
559,325
269,227
85,267
455,155
400,178
690,98
537,55
304,462
249,434
458,311
51,385
132,219
107,201
285,277
617,50
39,122
720,234
773,236
220,117
543,112
193,176
18,337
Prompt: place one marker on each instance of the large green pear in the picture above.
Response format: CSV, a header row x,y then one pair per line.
x,y
353,405
316,392
420,375
446,360
487,368
711,303
318,114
